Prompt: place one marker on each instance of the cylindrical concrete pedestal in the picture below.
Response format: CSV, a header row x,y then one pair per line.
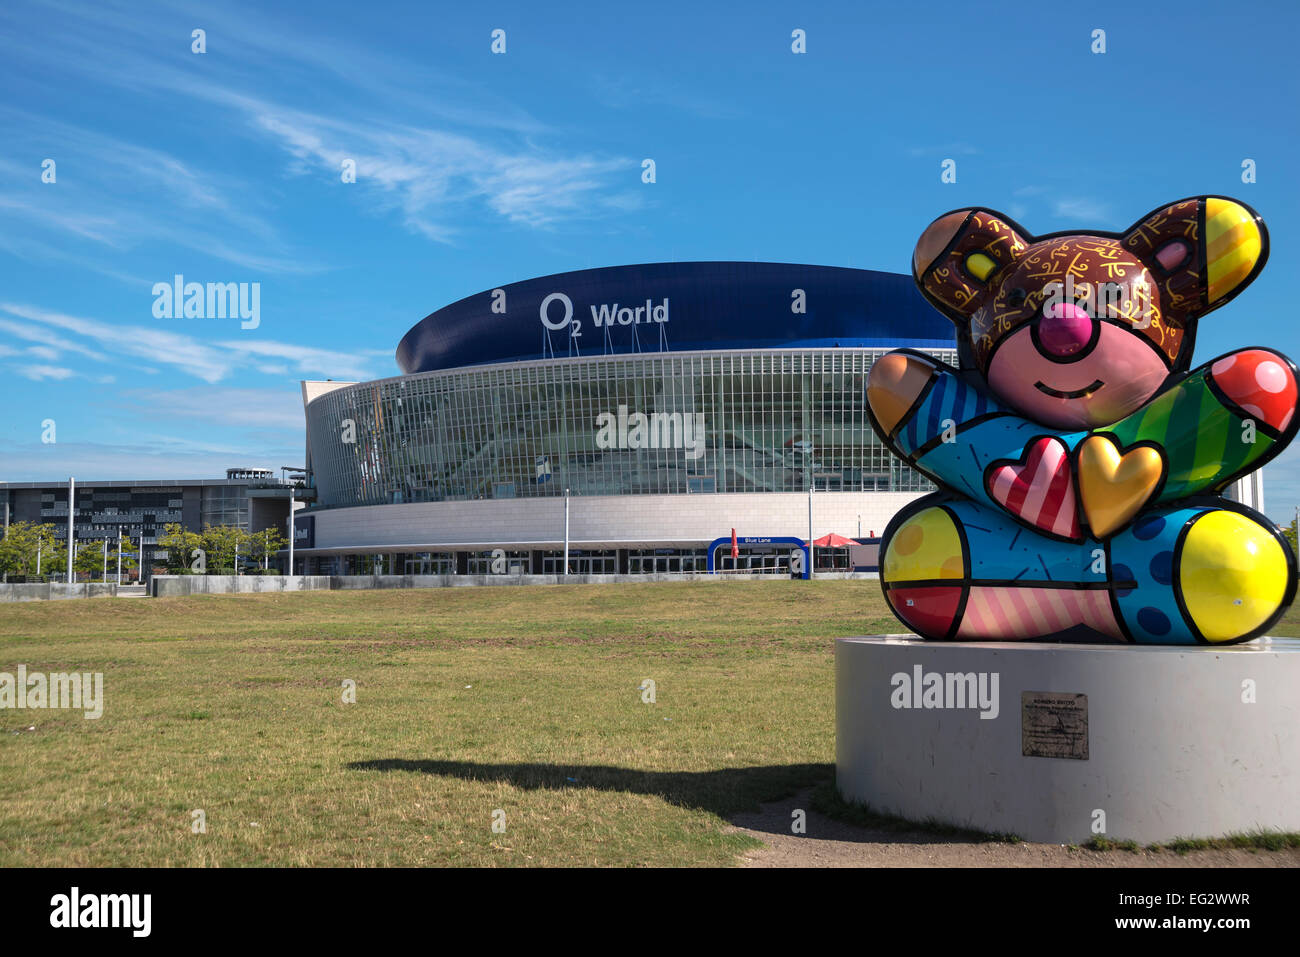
x,y
1058,743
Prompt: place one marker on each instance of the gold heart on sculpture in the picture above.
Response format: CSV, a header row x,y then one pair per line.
x,y
1114,485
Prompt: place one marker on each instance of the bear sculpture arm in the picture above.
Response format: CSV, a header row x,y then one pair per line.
x,y
1222,421
951,430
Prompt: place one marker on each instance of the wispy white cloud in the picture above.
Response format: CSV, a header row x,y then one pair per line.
x,y
30,250
87,226
38,373
429,175
207,361
160,456
279,408
306,360
123,195
482,150
56,344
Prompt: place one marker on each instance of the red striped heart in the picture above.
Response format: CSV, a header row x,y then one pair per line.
x,y
1038,489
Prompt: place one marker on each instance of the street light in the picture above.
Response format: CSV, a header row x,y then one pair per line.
x,y
72,510
812,482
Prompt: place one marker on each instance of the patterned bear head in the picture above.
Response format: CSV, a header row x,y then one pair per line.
x,y
1077,329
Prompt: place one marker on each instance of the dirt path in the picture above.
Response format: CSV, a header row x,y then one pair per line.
x,y
832,843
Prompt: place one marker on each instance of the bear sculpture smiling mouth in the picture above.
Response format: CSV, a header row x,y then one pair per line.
x,y
1074,394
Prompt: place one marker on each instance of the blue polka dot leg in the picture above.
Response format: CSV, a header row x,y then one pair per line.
x,y
1142,573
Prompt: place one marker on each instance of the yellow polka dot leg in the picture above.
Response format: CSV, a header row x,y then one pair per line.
x,y
924,572
926,547
1233,574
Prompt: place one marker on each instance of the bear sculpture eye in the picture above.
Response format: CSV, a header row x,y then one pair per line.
x,y
1017,297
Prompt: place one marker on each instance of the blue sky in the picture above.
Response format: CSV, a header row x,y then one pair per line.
x,y
475,169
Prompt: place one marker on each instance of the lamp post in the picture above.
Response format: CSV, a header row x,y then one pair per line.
x,y
566,531
72,508
812,565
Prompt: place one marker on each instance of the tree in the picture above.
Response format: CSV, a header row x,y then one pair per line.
x,y
89,559
223,544
1289,532
23,542
264,545
14,548
184,550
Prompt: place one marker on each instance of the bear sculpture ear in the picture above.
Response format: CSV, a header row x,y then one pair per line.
x,y
1201,251
961,255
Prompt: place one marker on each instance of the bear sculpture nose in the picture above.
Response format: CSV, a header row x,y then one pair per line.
x,y
1064,329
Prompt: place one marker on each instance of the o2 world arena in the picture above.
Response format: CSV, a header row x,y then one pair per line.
x,y
635,414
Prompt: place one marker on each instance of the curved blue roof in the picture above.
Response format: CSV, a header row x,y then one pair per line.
x,y
675,307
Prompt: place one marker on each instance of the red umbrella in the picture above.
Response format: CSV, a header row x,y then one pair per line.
x,y
833,541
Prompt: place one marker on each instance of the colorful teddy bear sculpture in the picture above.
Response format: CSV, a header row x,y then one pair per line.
x,y
1080,463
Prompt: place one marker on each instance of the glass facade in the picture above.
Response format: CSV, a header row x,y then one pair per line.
x,y
224,505
101,511
773,420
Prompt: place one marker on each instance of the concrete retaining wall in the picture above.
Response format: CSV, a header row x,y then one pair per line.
x,y
344,582
175,586
172,586
47,591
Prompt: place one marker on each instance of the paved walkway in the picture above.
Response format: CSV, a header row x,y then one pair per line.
x,y
832,843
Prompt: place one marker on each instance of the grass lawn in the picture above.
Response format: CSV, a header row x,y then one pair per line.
x,y
525,700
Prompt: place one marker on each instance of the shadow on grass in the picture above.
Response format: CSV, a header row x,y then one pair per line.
x,y
724,792
735,794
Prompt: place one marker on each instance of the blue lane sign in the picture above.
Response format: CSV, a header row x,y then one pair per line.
x,y
802,564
